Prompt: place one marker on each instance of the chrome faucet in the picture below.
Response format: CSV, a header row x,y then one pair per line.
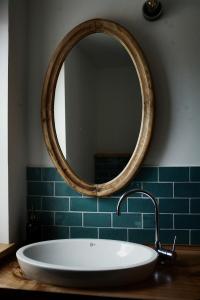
x,y
163,253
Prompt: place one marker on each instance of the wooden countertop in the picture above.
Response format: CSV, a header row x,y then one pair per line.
x,y
169,282
6,249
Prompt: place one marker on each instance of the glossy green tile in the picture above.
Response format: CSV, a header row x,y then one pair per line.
x,y
166,221
51,174
174,205
142,236
147,174
55,203
42,218
107,168
113,234
129,220
62,189
140,205
187,221
44,205
34,203
187,189
147,236
83,232
83,204
167,236
159,189
110,204
68,219
46,218
195,205
40,188
131,185
195,173
97,220
173,174
55,232
34,174
195,237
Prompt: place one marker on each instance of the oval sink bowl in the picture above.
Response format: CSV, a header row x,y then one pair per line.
x,y
87,263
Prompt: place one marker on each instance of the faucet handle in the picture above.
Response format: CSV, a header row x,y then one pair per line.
x,y
174,245
166,254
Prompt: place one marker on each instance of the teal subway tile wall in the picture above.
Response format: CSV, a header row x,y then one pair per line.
x,y
61,212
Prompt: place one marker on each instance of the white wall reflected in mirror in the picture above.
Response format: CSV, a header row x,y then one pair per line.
x,y
98,103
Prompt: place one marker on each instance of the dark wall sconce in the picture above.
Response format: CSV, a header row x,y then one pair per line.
x,y
152,10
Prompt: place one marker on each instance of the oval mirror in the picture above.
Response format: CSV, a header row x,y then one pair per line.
x,y
97,107
97,98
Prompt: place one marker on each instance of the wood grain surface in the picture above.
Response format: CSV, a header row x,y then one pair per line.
x,y
47,106
180,280
6,249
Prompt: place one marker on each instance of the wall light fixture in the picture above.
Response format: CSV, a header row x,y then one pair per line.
x,y
152,10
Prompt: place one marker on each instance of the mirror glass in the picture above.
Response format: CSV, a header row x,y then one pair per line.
x,y
97,108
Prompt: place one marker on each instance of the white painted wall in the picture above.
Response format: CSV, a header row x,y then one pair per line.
x,y
17,122
59,110
4,193
119,109
13,15
101,103
80,108
171,46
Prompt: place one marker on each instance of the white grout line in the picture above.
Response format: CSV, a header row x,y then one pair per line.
x,y
127,207
46,181
51,196
91,212
186,214
122,213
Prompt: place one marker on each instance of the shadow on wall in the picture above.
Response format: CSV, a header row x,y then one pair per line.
x,y
163,107
162,120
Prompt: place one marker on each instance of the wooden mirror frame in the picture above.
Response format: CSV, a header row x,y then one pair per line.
x,y
47,110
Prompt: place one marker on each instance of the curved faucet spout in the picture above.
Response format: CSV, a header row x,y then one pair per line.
x,y
163,253
155,203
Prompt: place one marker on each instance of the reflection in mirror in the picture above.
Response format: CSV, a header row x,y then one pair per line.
x,y
97,108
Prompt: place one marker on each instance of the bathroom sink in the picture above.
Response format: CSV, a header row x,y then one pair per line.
x,y
87,262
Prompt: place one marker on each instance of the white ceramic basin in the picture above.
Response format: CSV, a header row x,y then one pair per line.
x,y
87,262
